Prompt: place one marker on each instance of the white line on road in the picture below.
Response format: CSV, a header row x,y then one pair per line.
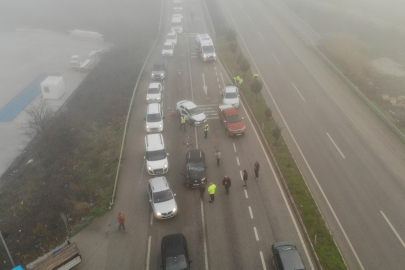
x,y
249,17
215,68
263,262
151,219
204,86
260,35
246,195
237,160
219,86
298,92
148,254
217,79
276,59
257,236
234,147
250,212
205,240
222,79
335,144
216,73
241,175
392,228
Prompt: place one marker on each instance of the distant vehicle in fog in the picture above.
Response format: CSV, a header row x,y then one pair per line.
x,y
172,37
205,47
177,5
177,23
168,49
159,70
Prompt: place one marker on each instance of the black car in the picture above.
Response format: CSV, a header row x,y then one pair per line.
x,y
174,252
195,168
286,256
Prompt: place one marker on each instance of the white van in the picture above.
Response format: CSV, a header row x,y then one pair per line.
x,y
154,118
177,5
205,47
177,23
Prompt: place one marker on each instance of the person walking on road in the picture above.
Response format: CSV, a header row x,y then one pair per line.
x,y
218,156
206,128
257,167
211,191
121,220
202,191
245,178
226,182
183,122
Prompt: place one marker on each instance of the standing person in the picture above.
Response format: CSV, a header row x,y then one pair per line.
x,y
226,182
218,156
183,122
211,191
257,167
121,220
202,191
206,128
245,178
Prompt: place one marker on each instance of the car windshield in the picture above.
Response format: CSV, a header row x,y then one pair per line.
x,y
233,119
208,49
285,248
171,37
167,47
194,111
153,91
153,117
176,24
196,166
177,4
231,95
156,155
162,196
176,263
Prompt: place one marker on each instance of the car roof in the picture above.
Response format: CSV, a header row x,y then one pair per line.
x,y
153,108
231,88
230,111
154,142
194,155
159,184
168,43
291,260
188,104
154,85
172,34
174,244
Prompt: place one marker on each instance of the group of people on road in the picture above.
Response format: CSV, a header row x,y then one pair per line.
x,y
237,81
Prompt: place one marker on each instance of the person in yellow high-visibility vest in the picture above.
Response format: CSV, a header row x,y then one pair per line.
x,y
211,191
183,122
206,128
255,76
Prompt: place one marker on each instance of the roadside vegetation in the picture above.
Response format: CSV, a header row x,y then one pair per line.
x,y
233,58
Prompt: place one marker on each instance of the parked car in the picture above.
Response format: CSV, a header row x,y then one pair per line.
x,y
172,37
192,113
154,118
154,92
229,116
168,49
161,198
155,154
230,95
175,252
195,168
159,70
286,256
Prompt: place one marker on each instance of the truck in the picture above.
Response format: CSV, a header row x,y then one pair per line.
x,y
63,257
177,5
229,117
205,47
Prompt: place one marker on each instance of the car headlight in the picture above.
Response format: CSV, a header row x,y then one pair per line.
x,y
161,74
205,56
163,52
147,98
158,213
161,127
203,179
147,127
150,168
174,209
165,166
158,98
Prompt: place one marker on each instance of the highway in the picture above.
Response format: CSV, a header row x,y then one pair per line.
x,y
351,162
234,232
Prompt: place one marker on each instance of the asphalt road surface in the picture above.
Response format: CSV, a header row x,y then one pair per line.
x,y
352,163
234,232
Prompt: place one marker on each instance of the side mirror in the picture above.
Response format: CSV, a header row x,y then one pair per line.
x,y
150,200
163,117
174,194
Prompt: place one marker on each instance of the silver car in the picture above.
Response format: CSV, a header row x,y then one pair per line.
x,y
161,198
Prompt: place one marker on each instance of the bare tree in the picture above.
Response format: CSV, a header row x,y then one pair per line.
x,y
40,115
276,132
244,66
256,87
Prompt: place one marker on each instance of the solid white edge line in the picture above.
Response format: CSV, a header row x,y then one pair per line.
x,y
276,59
237,160
148,254
249,17
250,212
256,234
151,218
260,35
263,262
234,147
298,91
303,157
330,138
189,70
393,229
241,175
222,78
205,240
246,194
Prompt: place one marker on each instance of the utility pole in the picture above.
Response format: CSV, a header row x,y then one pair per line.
x,y
5,246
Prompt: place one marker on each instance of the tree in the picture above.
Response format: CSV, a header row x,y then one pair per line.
x,y
276,132
268,113
40,115
232,47
256,86
244,66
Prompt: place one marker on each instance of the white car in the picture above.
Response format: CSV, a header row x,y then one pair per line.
x,y
172,37
192,113
155,154
154,118
161,198
154,93
168,49
230,96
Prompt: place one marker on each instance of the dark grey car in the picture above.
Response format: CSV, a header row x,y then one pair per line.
x,y
159,70
286,256
195,168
